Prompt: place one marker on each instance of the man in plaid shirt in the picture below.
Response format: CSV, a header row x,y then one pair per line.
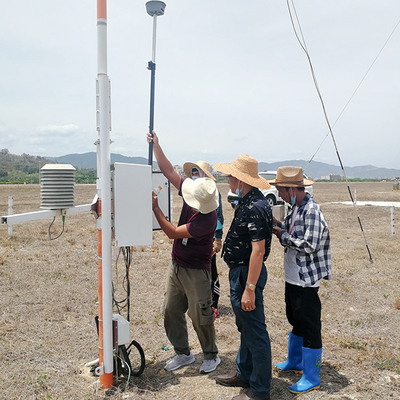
x,y
307,259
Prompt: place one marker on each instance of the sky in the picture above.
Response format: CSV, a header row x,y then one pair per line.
x,y
231,78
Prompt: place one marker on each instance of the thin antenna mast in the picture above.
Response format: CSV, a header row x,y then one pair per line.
x,y
154,8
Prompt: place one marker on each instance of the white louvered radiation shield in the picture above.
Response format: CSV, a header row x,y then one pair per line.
x,y
57,184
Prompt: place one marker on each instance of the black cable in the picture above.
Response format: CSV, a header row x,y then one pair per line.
x,y
125,302
51,224
126,251
304,47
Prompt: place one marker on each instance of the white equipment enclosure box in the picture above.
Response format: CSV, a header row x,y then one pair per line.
x,y
132,186
123,335
131,191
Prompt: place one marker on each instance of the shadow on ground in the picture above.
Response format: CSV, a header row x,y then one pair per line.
x,y
156,380
331,381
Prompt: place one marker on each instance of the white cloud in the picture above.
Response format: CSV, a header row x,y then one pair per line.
x,y
62,130
230,78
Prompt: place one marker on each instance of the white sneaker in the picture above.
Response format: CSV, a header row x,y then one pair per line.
x,y
179,360
210,365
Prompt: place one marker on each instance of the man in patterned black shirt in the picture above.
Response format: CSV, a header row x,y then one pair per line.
x,y
246,247
307,260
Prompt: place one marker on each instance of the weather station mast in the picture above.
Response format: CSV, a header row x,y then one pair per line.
x,y
120,220
111,187
105,368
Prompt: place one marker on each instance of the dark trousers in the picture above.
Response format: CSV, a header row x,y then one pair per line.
x,y
253,361
215,288
189,290
303,311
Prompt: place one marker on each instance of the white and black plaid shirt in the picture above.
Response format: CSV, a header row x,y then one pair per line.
x,y
311,241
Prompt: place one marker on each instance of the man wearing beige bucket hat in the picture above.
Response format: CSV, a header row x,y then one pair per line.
x,y
246,248
307,259
201,169
189,276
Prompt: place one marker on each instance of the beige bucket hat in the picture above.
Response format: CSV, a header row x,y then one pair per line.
x,y
290,177
244,168
202,165
201,194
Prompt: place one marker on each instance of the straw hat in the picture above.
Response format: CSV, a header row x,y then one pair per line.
x,y
202,165
290,177
201,194
244,168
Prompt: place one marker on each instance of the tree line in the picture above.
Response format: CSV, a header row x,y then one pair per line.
x,y
25,169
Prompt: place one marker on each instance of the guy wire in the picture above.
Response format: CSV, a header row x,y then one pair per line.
x,y
355,91
304,47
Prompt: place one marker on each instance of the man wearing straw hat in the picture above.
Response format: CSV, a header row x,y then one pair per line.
x,y
201,169
307,259
189,277
246,248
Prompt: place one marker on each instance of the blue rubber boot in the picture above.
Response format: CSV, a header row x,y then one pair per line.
x,y
294,360
311,368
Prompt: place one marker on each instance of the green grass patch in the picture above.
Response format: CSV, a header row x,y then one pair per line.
x,y
390,364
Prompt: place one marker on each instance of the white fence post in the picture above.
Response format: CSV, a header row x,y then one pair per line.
x,y
10,211
392,220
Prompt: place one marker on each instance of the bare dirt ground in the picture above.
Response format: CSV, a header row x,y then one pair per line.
x,y
49,290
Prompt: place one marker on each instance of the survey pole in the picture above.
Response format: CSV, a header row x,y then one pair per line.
x,y
154,8
105,368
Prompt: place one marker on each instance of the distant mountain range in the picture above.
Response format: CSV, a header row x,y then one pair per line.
x,y
314,170
88,160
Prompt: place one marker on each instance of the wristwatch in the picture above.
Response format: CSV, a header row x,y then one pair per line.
x,y
251,286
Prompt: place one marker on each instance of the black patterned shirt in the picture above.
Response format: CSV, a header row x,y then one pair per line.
x,y
252,223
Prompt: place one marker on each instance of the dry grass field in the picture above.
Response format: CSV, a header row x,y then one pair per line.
x,y
48,295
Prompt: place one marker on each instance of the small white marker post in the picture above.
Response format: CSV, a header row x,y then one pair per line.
x,y
10,211
392,220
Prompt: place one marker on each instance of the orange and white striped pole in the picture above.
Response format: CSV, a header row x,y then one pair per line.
x,y
106,365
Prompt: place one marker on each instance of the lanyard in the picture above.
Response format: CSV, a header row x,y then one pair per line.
x,y
192,217
185,240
